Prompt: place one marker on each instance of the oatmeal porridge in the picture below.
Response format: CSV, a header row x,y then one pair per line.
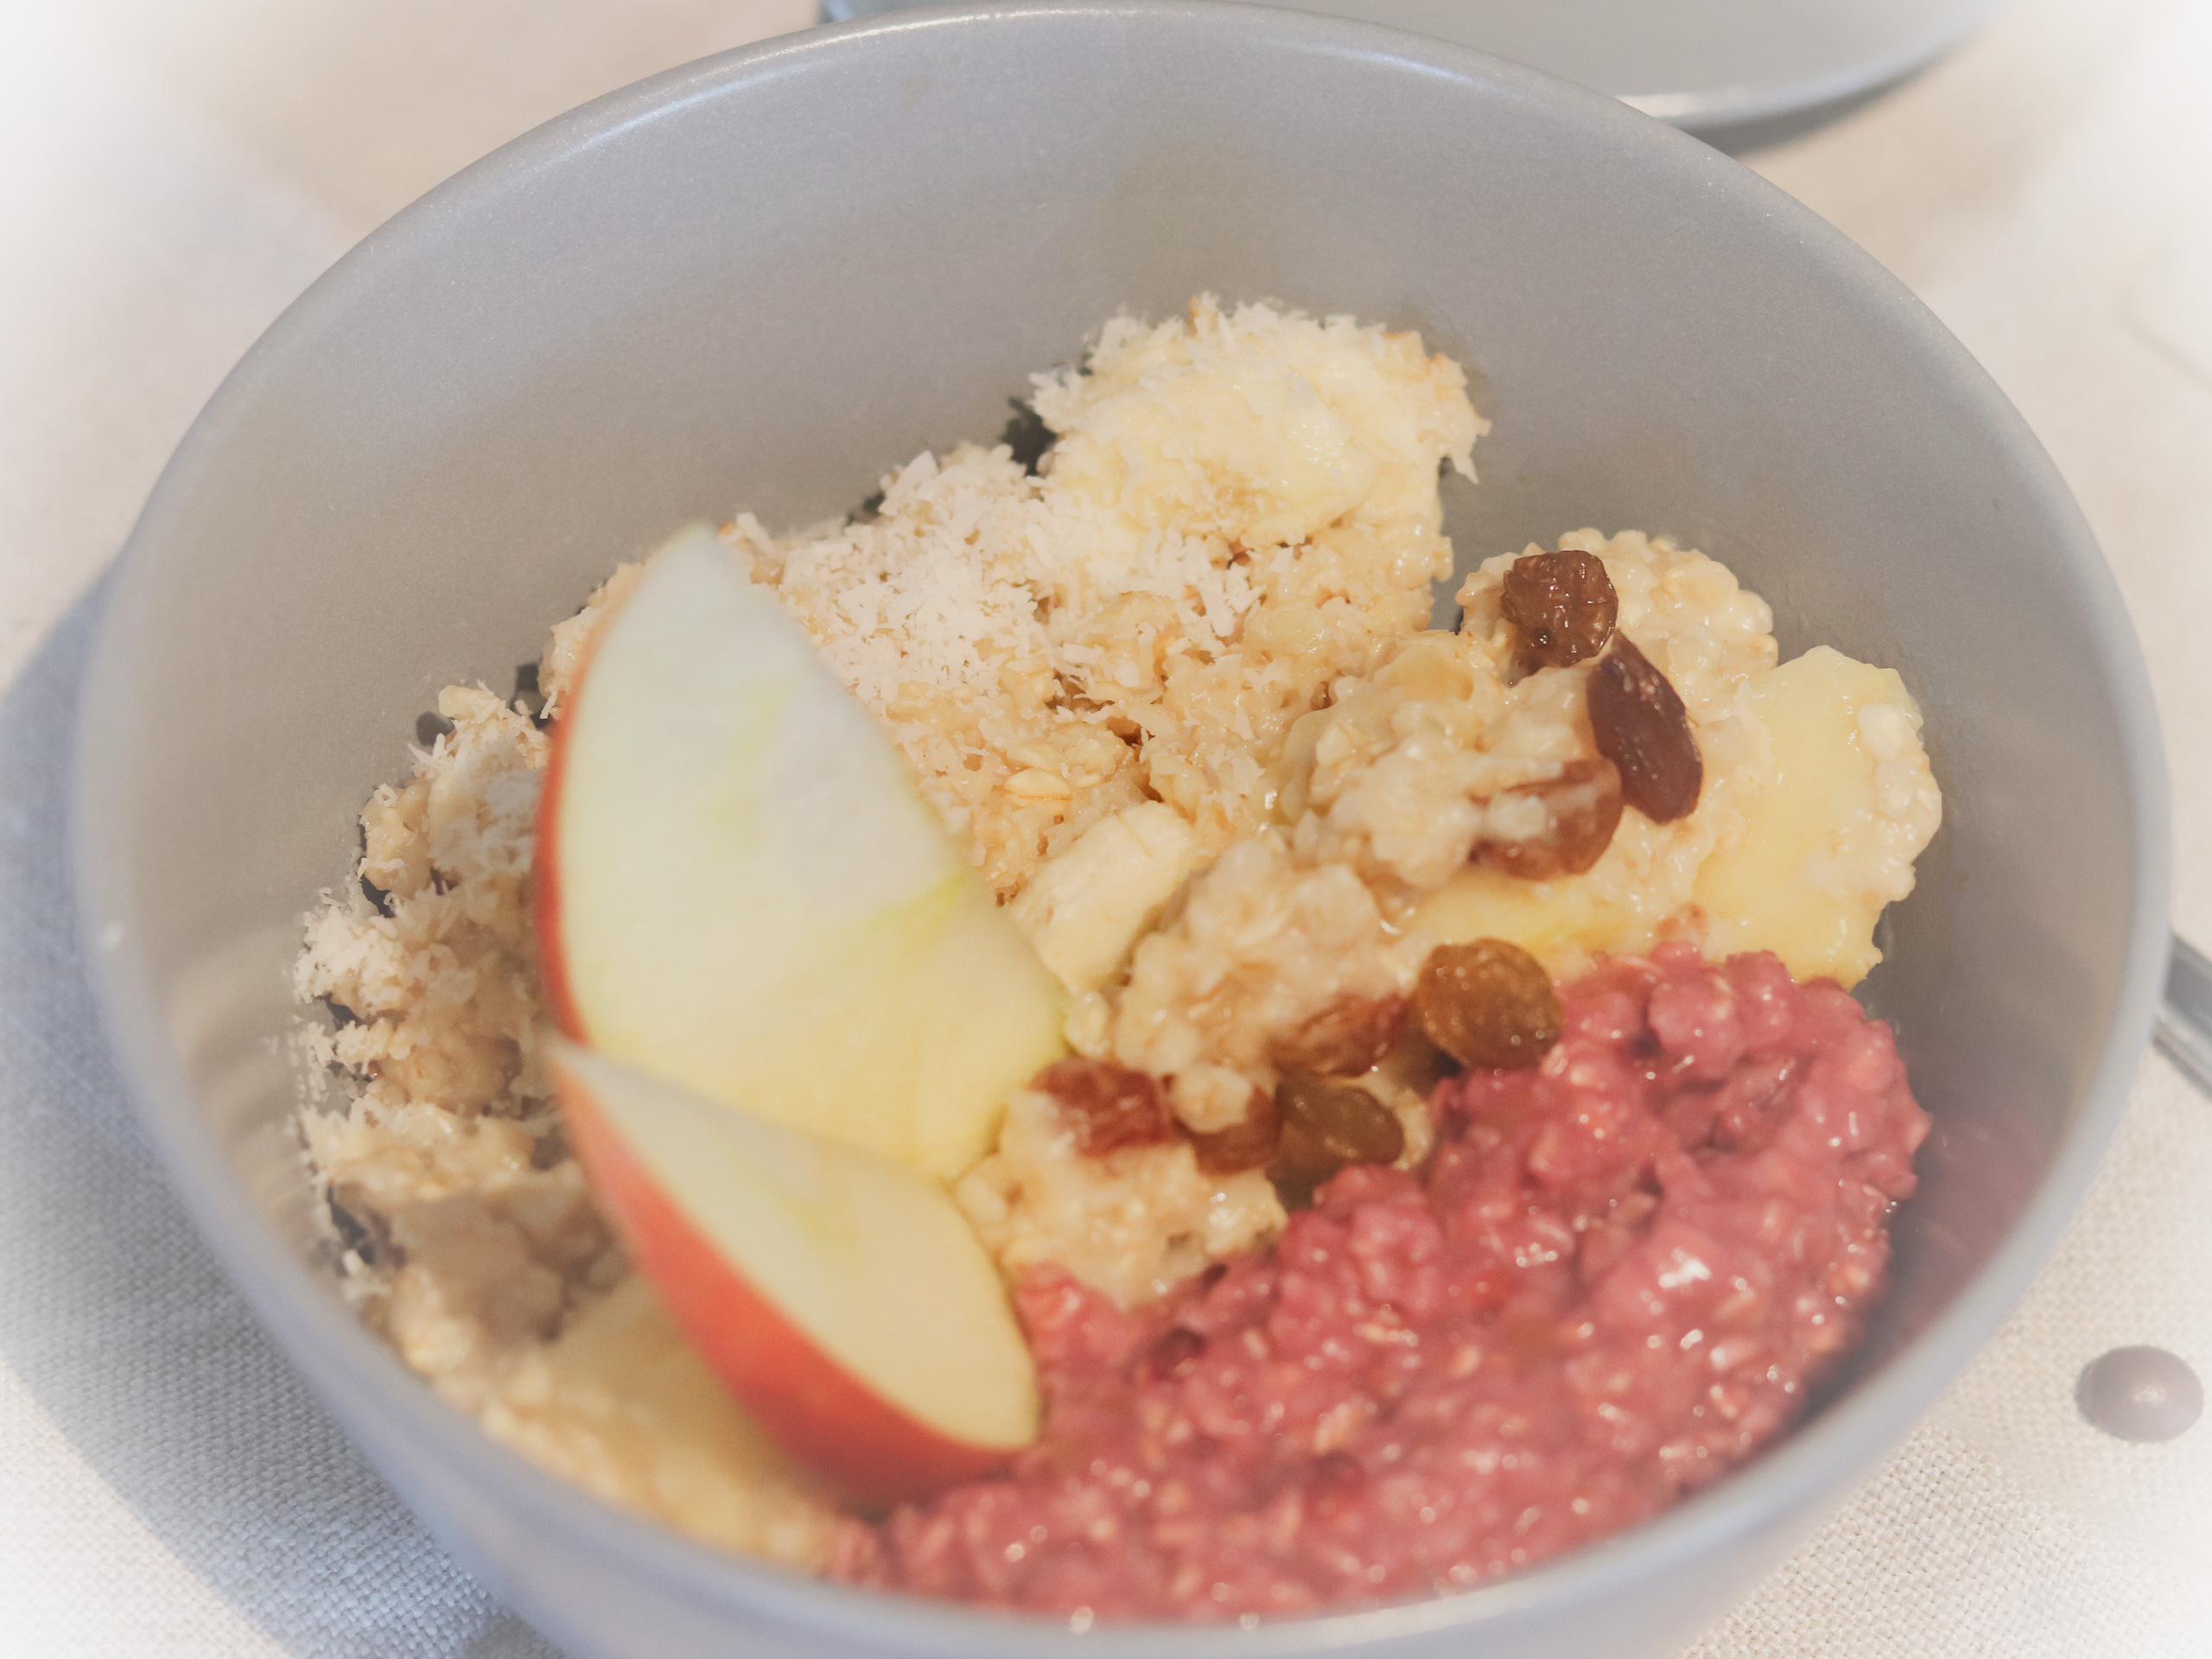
x,y
1462,1142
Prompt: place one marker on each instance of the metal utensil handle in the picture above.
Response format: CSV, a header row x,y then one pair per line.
x,y
2184,1028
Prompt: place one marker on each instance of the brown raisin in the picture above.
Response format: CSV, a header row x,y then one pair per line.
x,y
1562,606
1344,1038
1108,1106
1326,1126
1582,808
1300,1164
1642,728
1242,1145
1487,1003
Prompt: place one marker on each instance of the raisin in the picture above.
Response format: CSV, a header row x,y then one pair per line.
x,y
1301,1165
1242,1145
1642,729
1173,1355
1343,1040
1326,1126
1109,1106
1562,606
1350,1123
1582,808
1487,1003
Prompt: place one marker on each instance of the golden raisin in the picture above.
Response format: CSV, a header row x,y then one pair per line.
x,y
1246,1145
1582,808
1487,1003
1562,606
1326,1126
1642,728
1108,1106
1344,1038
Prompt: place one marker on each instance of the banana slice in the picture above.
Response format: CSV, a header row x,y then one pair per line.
x,y
1086,906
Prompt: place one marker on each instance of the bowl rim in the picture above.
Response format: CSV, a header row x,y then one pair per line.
x,y
382,1404
1718,106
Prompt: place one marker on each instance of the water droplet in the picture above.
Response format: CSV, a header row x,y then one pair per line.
x,y
2140,1394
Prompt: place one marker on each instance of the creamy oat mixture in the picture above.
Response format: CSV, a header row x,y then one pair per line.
x,y
1615,1278
1175,690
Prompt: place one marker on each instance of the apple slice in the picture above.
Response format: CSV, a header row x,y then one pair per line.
x,y
841,1298
740,889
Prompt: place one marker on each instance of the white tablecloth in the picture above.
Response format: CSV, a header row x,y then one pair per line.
x,y
170,177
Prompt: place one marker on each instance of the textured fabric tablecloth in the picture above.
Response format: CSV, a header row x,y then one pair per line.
x,y
170,177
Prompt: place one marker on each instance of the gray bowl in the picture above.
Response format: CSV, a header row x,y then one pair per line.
x,y
762,279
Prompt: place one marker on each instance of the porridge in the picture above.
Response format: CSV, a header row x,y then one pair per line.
x,y
1462,1142
1614,1277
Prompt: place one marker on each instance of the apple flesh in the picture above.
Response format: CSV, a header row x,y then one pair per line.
x,y
841,1297
740,888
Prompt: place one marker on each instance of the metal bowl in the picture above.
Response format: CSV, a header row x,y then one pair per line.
x,y
763,278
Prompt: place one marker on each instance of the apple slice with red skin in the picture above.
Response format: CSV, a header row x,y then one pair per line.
x,y
740,889
841,1297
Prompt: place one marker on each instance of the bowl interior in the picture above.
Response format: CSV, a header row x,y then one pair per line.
x,y
759,281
